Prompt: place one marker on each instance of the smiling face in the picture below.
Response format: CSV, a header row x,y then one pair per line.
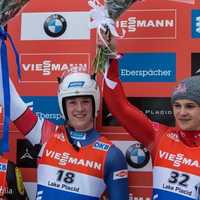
x,y
80,112
187,114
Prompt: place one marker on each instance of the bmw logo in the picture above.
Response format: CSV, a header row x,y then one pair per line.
x,y
55,25
137,155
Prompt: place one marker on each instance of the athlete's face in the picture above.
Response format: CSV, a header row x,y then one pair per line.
x,y
79,111
187,114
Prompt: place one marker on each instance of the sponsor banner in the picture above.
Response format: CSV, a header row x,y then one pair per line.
x,y
195,23
45,107
158,109
27,154
148,67
135,179
137,156
55,26
195,64
185,1
45,67
148,24
136,193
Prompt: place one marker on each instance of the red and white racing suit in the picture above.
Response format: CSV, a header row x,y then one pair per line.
x,y
63,172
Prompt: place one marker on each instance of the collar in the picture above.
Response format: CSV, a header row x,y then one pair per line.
x,y
80,135
190,138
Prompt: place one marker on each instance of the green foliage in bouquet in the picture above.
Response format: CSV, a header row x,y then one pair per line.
x,y
101,58
112,9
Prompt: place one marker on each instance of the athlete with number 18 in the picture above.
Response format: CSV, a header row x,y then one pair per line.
x,y
75,161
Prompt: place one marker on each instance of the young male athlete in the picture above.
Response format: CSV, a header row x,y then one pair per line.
x,y
75,161
175,151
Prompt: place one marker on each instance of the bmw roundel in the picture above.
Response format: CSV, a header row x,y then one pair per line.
x,y
55,25
137,155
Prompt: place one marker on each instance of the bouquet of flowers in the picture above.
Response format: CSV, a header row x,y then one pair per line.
x,y
103,18
117,7
9,8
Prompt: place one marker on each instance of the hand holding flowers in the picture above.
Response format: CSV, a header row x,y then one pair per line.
x,y
104,17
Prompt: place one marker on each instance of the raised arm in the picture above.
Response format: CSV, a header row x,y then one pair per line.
x,y
25,120
131,118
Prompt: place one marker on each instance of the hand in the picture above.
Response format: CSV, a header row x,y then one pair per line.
x,y
106,40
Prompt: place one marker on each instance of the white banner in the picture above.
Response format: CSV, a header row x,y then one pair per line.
x,y
55,26
185,1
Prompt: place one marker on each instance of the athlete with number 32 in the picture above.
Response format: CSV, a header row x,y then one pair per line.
x,y
175,150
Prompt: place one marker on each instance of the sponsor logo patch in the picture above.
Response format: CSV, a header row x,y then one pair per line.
x,y
120,174
101,146
76,84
